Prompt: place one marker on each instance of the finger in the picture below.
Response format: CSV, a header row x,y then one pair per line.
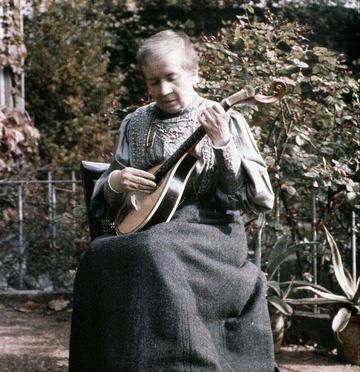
x,y
218,109
208,117
146,189
144,182
139,187
201,118
141,173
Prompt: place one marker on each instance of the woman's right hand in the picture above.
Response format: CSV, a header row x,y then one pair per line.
x,y
132,179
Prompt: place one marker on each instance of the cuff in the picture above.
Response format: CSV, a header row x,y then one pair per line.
x,y
109,181
228,158
220,147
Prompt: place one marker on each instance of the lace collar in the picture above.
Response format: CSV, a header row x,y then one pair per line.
x,y
190,107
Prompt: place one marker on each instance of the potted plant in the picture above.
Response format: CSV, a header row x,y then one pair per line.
x,y
279,309
346,322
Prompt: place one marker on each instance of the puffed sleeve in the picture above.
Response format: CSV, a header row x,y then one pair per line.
x,y
103,195
243,181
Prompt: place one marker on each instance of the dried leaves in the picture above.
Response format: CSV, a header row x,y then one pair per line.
x,y
58,304
12,48
18,140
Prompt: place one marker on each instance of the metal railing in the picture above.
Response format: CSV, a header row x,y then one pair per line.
x,y
53,187
48,199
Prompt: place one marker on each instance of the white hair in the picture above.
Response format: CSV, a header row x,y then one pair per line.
x,y
162,43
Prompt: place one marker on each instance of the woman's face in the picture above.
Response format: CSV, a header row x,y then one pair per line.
x,y
168,83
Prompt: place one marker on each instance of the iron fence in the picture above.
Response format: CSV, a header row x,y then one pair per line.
x,y
65,225
38,209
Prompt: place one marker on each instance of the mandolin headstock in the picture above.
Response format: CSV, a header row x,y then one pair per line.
x,y
240,97
248,96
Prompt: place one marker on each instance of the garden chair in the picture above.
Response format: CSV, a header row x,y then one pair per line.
x,y
90,173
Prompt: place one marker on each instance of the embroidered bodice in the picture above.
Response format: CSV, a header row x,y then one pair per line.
x,y
235,173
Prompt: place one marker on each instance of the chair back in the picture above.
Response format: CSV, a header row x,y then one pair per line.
x,y
90,173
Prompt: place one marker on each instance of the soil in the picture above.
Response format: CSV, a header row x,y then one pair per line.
x,y
34,338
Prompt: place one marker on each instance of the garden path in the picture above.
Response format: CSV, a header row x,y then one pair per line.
x,y
34,338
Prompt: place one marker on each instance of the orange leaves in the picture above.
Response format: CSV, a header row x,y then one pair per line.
x,y
18,140
13,50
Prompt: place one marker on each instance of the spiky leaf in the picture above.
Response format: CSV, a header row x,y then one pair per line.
x,y
279,304
274,286
281,252
344,282
302,283
329,296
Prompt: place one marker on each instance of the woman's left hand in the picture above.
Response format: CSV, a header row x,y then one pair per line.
x,y
215,121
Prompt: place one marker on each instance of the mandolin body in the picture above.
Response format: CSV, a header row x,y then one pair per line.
x,y
159,206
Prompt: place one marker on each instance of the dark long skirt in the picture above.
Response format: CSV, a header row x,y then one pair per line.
x,y
177,297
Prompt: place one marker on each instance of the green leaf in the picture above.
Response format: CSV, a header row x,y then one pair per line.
x,y
248,8
311,174
277,256
350,279
341,319
289,288
357,292
281,252
344,282
300,64
327,295
302,283
281,305
275,287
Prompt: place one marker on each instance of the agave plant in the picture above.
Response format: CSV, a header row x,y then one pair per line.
x,y
350,299
276,295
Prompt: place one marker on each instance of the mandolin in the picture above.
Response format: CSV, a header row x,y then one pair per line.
x,y
172,175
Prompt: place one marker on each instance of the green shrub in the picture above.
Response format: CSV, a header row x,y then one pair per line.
x,y
69,88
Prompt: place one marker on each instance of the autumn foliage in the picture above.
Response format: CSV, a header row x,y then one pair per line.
x,y
18,140
18,136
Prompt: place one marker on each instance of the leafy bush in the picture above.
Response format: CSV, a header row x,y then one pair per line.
x,y
69,88
312,136
82,58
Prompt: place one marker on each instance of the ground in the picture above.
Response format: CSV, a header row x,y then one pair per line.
x,y
34,337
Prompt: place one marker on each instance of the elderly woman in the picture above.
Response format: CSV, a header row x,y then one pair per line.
x,y
181,295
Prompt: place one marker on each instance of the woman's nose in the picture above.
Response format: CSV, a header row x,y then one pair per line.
x,y
165,88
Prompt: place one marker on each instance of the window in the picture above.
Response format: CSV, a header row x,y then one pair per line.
x,y
6,97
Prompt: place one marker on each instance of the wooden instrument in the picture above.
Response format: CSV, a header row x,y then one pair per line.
x,y
172,175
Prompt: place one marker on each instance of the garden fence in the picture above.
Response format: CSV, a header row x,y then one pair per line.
x,y
44,232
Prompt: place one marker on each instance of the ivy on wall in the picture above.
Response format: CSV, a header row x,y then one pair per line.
x,y
12,48
18,136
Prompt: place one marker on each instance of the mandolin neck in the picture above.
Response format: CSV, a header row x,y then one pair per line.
x,y
244,96
196,137
175,157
